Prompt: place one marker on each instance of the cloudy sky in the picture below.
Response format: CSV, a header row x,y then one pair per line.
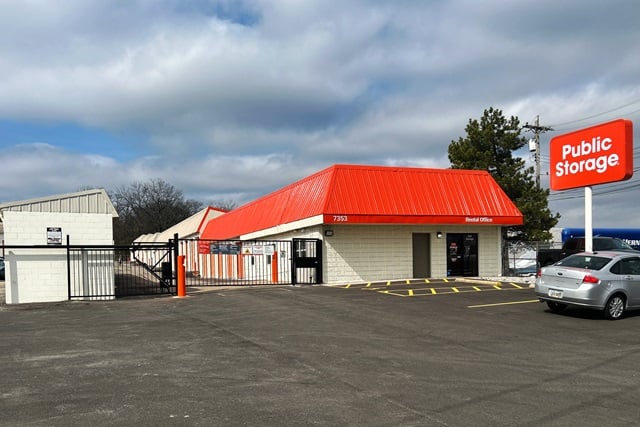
x,y
230,100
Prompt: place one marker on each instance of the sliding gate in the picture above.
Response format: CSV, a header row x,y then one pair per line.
x,y
257,262
107,272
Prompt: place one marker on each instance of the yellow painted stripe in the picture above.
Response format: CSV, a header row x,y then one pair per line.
x,y
446,280
368,285
476,288
396,294
408,282
426,281
389,283
455,289
503,303
410,292
433,291
516,285
497,287
348,286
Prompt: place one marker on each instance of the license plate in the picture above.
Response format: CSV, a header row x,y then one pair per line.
x,y
555,294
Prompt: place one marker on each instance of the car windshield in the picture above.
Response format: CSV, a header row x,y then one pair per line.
x,y
620,244
610,244
588,262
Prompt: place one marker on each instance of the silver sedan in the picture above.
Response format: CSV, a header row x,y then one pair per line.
x,y
605,280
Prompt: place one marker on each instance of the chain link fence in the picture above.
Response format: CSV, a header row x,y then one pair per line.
x,y
521,257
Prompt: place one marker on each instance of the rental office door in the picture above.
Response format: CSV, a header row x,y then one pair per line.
x,y
462,254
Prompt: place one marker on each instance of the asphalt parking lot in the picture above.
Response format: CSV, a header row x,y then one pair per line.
x,y
319,355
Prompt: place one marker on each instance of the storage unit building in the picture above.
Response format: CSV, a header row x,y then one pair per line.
x,y
379,223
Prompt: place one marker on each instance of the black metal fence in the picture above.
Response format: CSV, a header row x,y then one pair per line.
x,y
236,263
95,272
103,272
256,262
119,272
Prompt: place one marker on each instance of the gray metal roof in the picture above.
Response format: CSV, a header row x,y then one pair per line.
x,y
89,201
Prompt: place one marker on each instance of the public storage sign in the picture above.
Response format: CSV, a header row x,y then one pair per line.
x,y
594,155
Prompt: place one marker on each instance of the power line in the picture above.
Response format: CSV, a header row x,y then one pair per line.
x,y
600,114
612,188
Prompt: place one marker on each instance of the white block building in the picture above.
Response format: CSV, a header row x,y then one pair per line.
x,y
35,235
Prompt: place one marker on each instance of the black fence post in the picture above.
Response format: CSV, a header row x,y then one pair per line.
x,y
68,268
174,267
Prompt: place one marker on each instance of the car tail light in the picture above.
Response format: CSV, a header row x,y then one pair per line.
x,y
590,279
539,272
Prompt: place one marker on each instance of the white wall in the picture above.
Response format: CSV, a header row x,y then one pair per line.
x,y
40,275
379,252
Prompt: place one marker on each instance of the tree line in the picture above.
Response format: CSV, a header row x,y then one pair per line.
x,y
152,207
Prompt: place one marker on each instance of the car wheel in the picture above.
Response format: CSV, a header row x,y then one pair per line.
x,y
614,309
556,307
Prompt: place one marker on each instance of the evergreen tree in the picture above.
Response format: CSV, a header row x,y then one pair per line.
x,y
489,145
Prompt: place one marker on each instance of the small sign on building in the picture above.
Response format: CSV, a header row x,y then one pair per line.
x,y
54,236
224,248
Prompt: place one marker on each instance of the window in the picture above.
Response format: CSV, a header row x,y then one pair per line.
x,y
588,262
627,266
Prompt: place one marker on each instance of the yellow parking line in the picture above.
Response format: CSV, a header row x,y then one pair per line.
x,y
389,283
410,292
497,287
455,289
348,286
477,288
392,293
516,285
368,285
502,303
426,281
433,291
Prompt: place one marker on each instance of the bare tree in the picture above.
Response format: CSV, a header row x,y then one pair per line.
x,y
149,207
225,205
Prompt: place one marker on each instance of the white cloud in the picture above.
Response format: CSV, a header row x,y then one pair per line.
x,y
241,97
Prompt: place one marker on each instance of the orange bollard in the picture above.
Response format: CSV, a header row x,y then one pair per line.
x,y
182,277
274,267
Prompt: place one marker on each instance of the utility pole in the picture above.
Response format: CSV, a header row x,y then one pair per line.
x,y
537,130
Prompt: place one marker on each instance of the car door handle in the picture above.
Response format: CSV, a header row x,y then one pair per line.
x,y
628,277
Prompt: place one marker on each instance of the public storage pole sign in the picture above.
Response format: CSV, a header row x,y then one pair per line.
x,y
595,155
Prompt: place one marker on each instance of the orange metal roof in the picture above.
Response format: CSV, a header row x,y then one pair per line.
x,y
375,195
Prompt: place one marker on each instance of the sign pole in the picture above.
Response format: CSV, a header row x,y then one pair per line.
x,y
588,219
